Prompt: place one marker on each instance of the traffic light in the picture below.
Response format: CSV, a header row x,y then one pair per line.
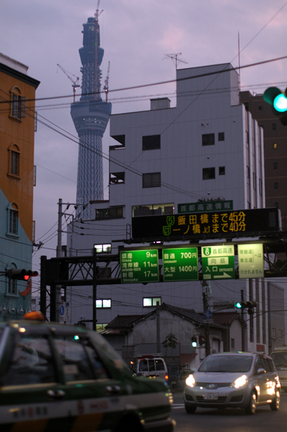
x,y
278,100
250,305
202,340
194,341
20,274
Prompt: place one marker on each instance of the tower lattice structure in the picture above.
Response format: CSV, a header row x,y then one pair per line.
x,y
90,116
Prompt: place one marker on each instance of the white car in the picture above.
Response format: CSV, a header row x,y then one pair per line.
x,y
234,380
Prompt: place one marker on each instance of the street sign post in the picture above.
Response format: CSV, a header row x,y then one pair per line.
x,y
139,266
180,264
218,262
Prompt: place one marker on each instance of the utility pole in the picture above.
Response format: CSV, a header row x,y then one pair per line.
x,y
157,328
59,255
242,323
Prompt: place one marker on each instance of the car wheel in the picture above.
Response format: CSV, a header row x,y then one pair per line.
x,y
251,407
129,425
275,404
190,409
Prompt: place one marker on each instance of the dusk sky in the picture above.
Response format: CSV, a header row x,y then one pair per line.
x,y
137,36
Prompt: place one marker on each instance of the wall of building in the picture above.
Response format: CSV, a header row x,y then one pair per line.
x,y
17,127
207,103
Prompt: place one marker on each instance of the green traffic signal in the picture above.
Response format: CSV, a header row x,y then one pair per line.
x,y
280,103
238,305
278,100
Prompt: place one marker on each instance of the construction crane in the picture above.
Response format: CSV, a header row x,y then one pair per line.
x,y
97,14
75,80
106,86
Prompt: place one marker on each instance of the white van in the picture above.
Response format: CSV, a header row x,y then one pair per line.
x,y
150,366
279,356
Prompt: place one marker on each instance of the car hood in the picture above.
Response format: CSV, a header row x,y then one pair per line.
x,y
217,377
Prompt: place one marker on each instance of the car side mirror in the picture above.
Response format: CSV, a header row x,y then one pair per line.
x,y
261,371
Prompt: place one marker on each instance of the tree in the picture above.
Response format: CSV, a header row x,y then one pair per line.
x,y
169,342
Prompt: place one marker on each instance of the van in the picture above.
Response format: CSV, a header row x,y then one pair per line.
x,y
150,366
279,356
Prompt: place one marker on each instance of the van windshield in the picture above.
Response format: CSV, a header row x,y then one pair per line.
x,y
280,359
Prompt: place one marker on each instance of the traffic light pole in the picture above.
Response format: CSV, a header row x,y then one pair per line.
x,y
242,323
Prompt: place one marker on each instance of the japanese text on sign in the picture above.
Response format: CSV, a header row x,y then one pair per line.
x,y
206,223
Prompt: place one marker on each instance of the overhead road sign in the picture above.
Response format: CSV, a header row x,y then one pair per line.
x,y
198,226
180,264
250,260
217,262
205,206
139,266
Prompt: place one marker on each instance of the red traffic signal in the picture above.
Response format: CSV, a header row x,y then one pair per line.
x,y
20,274
202,340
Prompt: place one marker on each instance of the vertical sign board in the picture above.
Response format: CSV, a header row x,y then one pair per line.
x,y
139,266
180,264
250,260
217,262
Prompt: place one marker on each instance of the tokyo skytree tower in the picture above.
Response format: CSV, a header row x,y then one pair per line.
x,y
90,116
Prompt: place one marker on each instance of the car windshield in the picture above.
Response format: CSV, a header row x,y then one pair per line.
x,y
226,363
280,359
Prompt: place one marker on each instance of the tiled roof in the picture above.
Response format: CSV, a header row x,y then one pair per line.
x,y
225,318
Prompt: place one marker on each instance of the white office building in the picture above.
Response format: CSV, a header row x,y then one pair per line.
x,y
207,147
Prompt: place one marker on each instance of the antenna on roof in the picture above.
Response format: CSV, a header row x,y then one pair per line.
x,y
175,59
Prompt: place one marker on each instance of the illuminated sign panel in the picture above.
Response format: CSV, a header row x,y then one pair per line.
x,y
250,261
205,206
206,225
180,264
139,266
217,262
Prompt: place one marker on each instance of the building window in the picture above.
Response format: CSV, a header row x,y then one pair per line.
x,y
221,170
121,139
260,107
151,142
232,344
275,165
103,303
12,219
12,283
208,139
117,178
14,161
151,301
208,173
18,104
153,209
275,146
150,180
275,185
110,213
221,136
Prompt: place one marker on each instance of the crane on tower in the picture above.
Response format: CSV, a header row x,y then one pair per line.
x,y
106,86
75,80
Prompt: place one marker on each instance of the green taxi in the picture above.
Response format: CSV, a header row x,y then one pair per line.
x,y
58,378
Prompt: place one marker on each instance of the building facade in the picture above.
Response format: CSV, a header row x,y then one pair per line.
x,y
17,127
275,136
208,148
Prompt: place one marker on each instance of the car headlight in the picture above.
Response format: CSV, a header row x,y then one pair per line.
x,y
190,381
240,382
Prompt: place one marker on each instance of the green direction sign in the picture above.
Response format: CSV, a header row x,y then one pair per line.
x,y
139,266
217,262
180,264
250,260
